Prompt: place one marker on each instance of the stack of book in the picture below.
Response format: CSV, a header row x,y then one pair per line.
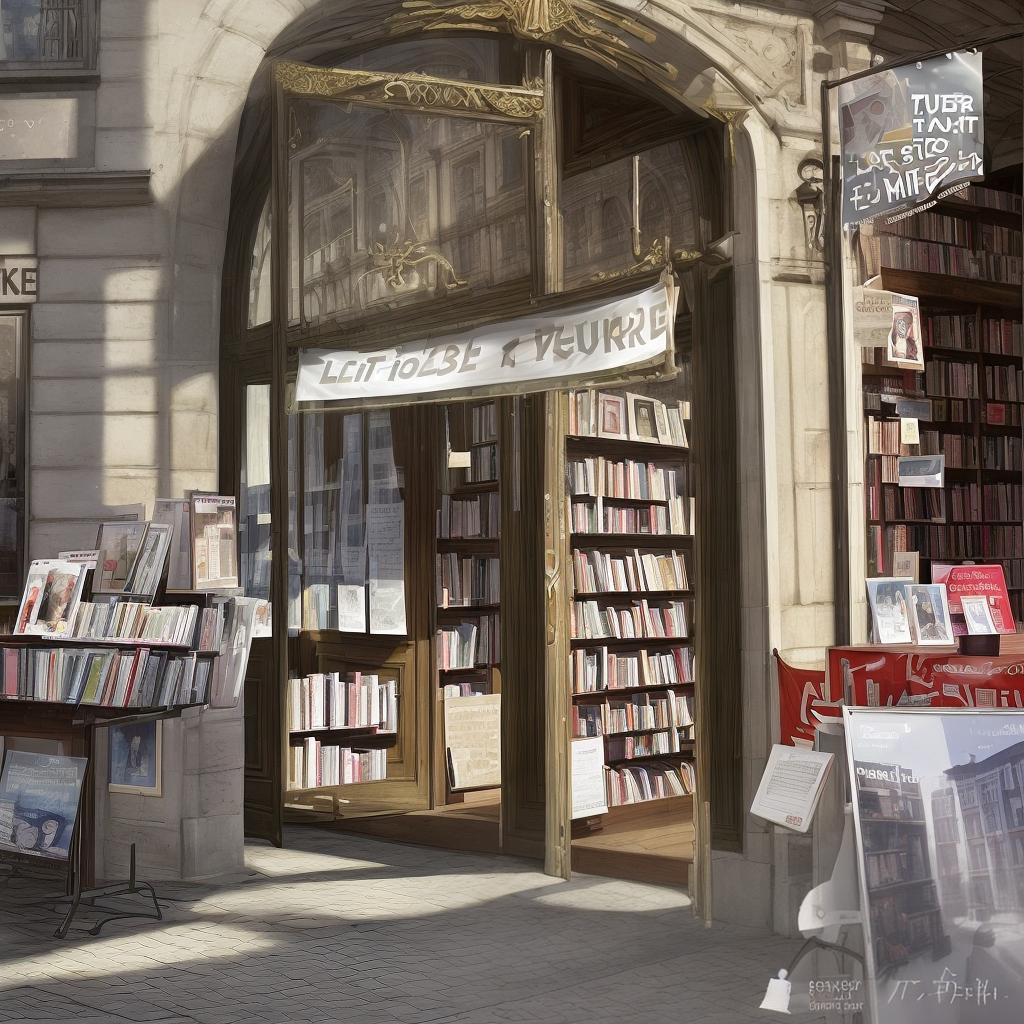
x,y
638,783
596,572
474,517
185,625
466,645
467,579
590,620
597,669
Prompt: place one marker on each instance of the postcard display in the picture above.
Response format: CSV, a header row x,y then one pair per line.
x,y
631,514
938,320
101,639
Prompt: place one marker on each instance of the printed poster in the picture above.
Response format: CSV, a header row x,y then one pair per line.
x,y
937,798
911,134
39,801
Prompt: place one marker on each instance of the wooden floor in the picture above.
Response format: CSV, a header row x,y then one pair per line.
x,y
652,843
473,827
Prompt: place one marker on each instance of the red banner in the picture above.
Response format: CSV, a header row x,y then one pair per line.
x,y
804,699
881,678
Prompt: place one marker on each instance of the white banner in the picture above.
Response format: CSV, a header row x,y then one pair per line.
x,y
579,342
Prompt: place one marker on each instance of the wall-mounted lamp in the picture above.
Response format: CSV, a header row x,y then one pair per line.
x,y
810,195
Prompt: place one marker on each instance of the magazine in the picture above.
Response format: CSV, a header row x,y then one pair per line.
x,y
119,544
890,615
149,565
929,614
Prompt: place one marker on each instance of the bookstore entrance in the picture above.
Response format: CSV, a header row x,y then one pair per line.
x,y
478,402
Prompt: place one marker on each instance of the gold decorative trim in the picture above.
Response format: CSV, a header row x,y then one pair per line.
x,y
392,262
655,258
579,25
411,90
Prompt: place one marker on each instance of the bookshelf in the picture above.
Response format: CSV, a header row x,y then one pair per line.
x,y
467,599
963,259
630,506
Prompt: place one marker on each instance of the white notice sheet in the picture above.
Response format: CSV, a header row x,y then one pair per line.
x,y
791,785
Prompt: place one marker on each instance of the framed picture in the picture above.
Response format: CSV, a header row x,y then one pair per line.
x,y
643,419
611,417
135,758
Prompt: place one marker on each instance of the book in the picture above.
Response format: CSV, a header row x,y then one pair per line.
x,y
890,615
50,599
977,616
150,563
929,614
214,542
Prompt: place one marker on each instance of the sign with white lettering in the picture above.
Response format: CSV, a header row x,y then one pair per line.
x,y
545,350
19,280
911,135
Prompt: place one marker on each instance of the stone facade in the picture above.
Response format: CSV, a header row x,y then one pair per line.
x,y
125,337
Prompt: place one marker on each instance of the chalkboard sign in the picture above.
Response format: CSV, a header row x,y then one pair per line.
x,y
911,135
39,800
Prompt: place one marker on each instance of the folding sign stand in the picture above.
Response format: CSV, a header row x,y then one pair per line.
x,y
74,895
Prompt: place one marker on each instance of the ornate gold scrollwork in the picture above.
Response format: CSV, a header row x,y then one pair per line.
x,y
392,262
420,92
577,25
654,258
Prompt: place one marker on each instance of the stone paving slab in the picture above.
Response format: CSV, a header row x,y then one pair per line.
x,y
343,928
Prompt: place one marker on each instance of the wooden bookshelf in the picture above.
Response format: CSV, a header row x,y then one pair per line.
x,y
973,349
472,427
624,484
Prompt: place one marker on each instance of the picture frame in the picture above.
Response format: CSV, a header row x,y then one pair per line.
x,y
643,419
135,759
929,614
611,417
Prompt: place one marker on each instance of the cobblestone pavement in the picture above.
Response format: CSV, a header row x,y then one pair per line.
x,y
348,929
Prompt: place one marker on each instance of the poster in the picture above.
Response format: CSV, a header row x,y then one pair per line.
x,y
589,794
351,554
135,758
889,320
910,134
472,736
532,353
938,809
39,802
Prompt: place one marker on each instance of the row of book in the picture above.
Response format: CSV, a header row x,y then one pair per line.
x,y
883,438
1002,453
959,231
464,580
188,625
139,678
315,764
913,503
946,377
991,502
1004,383
961,450
971,333
465,645
936,258
601,477
597,572
640,712
639,783
597,669
331,700
958,542
483,421
648,744
478,516
643,619
596,515
891,868
483,464
990,198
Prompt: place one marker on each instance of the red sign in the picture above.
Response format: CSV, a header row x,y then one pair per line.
x,y
804,699
976,580
882,678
